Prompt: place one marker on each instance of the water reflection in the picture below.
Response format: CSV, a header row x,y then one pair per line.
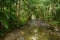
x,y
34,32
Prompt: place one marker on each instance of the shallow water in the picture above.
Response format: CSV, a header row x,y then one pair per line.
x,y
36,30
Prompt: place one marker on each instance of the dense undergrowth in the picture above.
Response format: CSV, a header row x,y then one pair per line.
x,y
16,13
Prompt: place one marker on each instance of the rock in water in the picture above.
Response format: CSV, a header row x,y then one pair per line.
x,y
33,17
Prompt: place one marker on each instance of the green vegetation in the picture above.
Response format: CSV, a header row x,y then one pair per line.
x,y
16,13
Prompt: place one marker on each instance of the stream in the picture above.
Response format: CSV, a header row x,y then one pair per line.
x,y
35,30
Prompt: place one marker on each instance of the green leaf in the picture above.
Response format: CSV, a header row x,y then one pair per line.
x,y
5,23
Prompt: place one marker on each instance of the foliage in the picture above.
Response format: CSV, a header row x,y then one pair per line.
x,y
41,9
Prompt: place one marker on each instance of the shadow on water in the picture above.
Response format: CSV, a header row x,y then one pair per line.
x,y
35,30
